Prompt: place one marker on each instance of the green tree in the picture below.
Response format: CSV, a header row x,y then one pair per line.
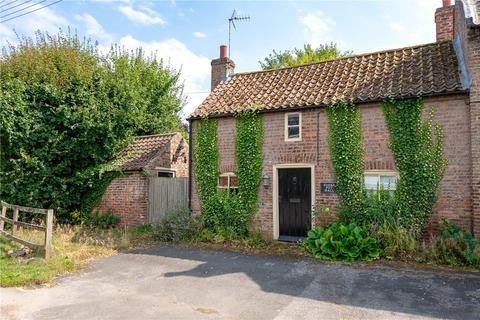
x,y
287,58
65,111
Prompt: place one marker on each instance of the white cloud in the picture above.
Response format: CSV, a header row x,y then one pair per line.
x,y
317,28
144,15
45,20
93,28
195,69
199,34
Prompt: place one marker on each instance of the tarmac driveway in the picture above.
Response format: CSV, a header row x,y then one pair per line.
x,y
176,283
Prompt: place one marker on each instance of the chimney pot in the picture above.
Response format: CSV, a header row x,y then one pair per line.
x,y
223,51
222,67
444,20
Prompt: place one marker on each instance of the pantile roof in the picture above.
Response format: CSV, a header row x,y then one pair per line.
x,y
143,150
425,70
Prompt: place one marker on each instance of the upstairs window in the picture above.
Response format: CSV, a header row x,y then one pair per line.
x,y
228,181
380,180
293,126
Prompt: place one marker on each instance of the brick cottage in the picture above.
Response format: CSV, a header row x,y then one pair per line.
x,y
161,155
295,150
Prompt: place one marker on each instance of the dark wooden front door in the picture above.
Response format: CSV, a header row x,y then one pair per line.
x,y
294,201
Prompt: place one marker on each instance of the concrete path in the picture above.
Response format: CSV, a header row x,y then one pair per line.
x,y
174,283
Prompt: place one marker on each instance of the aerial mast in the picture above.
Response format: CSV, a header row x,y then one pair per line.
x,y
231,23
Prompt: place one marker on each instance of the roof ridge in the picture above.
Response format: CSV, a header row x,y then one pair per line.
x,y
342,58
157,135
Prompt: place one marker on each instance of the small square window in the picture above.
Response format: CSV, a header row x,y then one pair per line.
x,y
293,126
374,181
223,182
166,174
228,181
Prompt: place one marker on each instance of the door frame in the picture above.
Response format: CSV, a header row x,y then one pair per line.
x,y
276,219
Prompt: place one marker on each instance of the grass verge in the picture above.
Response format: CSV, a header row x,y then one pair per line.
x,y
74,247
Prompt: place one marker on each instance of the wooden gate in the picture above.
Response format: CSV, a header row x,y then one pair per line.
x,y
164,195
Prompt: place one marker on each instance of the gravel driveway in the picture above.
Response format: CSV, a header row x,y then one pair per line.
x,y
177,283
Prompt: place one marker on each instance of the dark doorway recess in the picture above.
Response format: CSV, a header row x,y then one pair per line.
x,y
294,203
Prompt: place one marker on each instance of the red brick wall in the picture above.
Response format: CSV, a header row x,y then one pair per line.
x,y
226,131
173,156
179,156
467,36
444,22
221,69
127,196
451,112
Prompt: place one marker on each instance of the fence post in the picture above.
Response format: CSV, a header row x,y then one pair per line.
x,y
4,214
48,234
15,219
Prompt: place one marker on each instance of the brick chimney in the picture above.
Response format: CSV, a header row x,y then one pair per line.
x,y
222,67
444,19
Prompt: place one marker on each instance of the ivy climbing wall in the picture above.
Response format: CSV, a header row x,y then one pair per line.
x,y
452,113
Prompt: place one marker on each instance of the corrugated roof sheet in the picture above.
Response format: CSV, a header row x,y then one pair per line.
x,y
429,69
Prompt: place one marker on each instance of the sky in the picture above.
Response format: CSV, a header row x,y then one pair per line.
x,y
187,34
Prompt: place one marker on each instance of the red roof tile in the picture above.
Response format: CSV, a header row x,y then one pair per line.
x,y
426,70
143,150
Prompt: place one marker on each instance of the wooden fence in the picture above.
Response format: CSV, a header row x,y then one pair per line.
x,y
47,228
164,195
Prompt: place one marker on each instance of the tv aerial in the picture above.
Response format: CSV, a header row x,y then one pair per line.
x,y
231,23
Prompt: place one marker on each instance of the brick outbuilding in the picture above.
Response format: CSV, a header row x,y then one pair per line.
x,y
161,155
295,150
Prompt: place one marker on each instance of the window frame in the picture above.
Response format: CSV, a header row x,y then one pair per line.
x,y
165,170
287,138
229,176
379,174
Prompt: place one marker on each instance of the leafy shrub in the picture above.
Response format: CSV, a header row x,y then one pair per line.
x,y
375,210
454,247
396,241
103,220
342,242
225,212
177,226
67,109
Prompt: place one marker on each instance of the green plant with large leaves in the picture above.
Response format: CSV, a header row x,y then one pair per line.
x,y
66,109
342,242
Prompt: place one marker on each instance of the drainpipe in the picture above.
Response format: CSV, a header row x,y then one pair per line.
x,y
190,139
